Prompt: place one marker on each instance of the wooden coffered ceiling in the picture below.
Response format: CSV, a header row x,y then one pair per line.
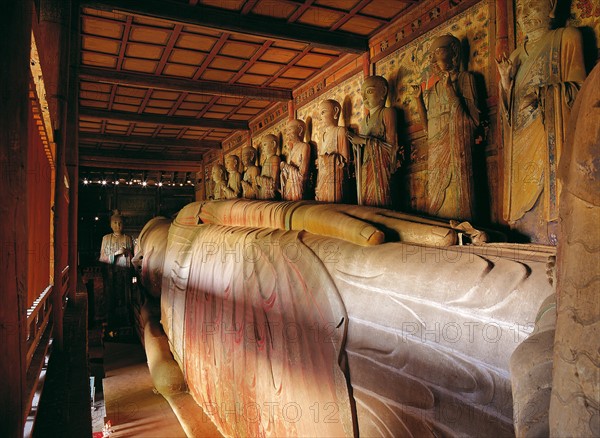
x,y
163,81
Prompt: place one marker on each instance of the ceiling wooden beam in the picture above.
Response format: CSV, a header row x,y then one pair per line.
x,y
182,85
154,119
229,21
134,162
150,141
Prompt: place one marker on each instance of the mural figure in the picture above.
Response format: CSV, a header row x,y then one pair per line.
x,y
376,147
234,177
251,171
268,180
294,172
538,85
115,254
449,113
334,155
219,181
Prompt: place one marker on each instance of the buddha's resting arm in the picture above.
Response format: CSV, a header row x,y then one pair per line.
x,y
358,224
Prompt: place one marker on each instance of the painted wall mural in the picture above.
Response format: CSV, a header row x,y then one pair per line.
x,y
348,96
410,65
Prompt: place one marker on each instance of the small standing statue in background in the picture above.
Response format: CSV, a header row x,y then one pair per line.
x,y
334,155
116,253
376,148
449,113
251,171
268,180
294,172
538,85
234,177
219,181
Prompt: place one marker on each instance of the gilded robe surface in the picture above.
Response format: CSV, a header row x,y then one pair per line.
x,y
332,164
451,125
295,174
534,129
117,276
379,156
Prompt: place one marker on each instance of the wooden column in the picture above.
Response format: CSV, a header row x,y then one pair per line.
x,y
15,48
61,206
502,44
366,64
72,152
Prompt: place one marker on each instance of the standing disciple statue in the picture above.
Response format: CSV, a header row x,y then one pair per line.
x,y
449,113
376,147
251,171
234,177
268,181
219,181
116,253
294,172
538,85
334,155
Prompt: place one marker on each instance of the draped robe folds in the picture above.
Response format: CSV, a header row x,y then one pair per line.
x,y
117,275
234,185
332,165
264,329
379,156
294,175
552,69
248,182
451,126
268,180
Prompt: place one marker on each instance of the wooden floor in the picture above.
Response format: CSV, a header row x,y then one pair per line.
x,y
132,406
64,409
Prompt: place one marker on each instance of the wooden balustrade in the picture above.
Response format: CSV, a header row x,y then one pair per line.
x,y
40,323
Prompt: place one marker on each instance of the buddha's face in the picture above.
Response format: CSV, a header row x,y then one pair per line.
x,y
533,15
373,94
117,225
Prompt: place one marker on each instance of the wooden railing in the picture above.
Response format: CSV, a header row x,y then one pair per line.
x,y
40,324
38,318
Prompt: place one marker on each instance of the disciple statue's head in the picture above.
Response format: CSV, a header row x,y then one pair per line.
x,y
116,223
248,156
445,53
218,172
534,16
269,145
232,163
374,92
329,112
295,130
